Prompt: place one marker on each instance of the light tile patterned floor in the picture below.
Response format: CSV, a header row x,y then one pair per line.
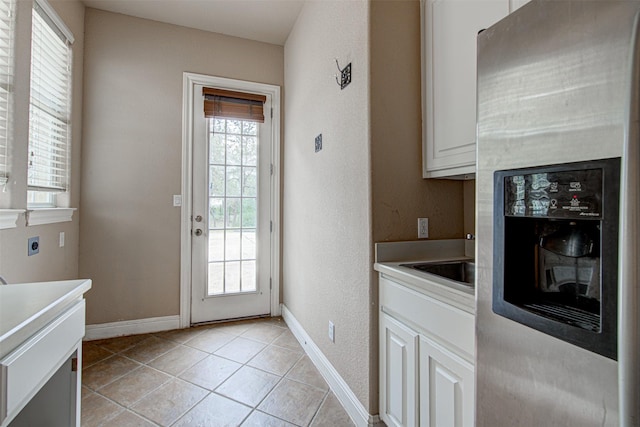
x,y
249,373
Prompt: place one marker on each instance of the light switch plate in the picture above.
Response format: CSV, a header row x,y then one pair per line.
x,y
177,200
423,228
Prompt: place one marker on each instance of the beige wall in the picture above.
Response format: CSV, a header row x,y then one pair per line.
x,y
53,262
327,196
365,185
399,193
130,232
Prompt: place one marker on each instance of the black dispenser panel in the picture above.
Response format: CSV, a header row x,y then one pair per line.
x,y
556,251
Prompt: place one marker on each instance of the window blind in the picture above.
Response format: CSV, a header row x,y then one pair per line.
x,y
6,83
233,105
50,101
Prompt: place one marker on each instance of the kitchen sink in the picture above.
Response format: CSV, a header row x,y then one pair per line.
x,y
463,272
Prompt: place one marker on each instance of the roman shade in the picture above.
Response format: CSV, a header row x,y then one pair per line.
x,y
233,105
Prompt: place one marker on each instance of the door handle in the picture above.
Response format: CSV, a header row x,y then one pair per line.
x,y
198,232
199,218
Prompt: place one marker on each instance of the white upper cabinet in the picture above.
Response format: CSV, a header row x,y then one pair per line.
x,y
449,30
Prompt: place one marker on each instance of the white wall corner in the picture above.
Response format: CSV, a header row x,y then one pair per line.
x,y
358,413
131,327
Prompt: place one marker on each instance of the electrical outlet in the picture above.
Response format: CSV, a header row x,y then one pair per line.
x,y
423,228
318,143
34,245
332,331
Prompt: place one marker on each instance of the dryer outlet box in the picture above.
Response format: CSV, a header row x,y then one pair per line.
x,y
34,245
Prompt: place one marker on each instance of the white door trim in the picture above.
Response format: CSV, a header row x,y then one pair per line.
x,y
188,81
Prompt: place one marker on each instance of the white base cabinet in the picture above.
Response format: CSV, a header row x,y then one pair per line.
x,y
446,387
400,371
426,358
41,330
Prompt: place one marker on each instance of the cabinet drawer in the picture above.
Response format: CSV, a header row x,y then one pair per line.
x,y
448,325
25,370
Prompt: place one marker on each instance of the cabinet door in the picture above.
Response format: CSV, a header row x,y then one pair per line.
x,y
450,28
446,387
398,373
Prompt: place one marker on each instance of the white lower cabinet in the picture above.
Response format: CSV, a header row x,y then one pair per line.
x,y
399,372
40,380
426,358
446,387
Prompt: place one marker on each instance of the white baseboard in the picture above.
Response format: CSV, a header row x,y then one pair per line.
x,y
131,327
359,415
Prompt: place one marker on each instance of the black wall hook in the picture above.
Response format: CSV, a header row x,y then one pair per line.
x,y
345,75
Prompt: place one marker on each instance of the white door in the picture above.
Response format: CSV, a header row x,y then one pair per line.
x,y
231,221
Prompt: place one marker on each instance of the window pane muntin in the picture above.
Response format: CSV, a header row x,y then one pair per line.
x,y
233,217
234,150
234,177
249,214
216,278
234,126
216,213
248,282
237,206
249,181
216,180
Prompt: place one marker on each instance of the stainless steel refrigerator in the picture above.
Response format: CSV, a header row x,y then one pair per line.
x,y
558,194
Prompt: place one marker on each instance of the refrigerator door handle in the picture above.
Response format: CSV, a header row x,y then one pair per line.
x,y
629,249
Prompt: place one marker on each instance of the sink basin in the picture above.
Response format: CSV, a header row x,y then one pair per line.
x,y
463,272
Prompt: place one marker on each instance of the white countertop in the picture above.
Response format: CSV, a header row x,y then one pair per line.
x,y
390,257
27,307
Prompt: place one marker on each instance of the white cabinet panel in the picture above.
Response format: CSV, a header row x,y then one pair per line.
x,y
398,368
446,387
430,316
449,31
29,367
426,359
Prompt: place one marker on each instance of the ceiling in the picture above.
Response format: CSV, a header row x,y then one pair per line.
x,y
267,21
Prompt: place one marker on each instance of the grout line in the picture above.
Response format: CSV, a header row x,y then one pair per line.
x,y
174,377
324,399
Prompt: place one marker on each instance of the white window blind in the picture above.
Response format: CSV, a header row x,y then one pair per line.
x,y
50,102
7,21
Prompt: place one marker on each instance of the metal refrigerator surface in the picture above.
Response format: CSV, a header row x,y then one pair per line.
x,y
557,83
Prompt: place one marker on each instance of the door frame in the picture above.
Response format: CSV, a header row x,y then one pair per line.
x,y
189,80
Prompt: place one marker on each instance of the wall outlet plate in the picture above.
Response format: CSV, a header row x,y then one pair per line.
x,y
423,228
34,245
318,143
332,331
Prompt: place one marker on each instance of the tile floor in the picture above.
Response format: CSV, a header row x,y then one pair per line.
x,y
249,373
